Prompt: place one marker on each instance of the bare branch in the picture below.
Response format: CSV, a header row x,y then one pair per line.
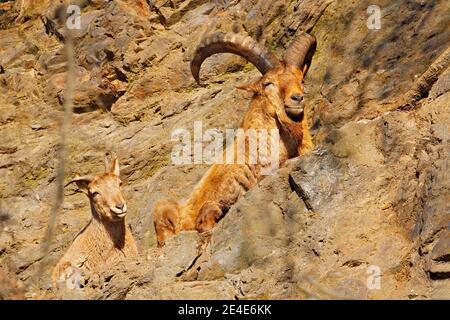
x,y
62,150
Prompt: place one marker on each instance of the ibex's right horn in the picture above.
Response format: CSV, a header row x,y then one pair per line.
x,y
301,51
243,46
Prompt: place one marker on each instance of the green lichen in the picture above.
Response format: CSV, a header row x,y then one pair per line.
x,y
33,178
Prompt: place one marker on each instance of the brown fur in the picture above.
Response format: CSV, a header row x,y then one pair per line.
x,y
223,184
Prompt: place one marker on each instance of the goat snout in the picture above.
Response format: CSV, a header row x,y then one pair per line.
x,y
120,209
297,97
295,110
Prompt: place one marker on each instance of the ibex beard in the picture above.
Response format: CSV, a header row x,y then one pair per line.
x,y
277,103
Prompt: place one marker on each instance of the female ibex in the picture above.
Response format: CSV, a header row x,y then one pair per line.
x,y
106,239
277,104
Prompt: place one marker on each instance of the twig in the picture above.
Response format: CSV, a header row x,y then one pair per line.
x,y
62,150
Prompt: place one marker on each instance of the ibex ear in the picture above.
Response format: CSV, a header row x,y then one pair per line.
x,y
305,70
114,168
82,182
250,87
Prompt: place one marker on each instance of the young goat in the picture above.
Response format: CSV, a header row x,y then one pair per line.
x,y
277,104
107,238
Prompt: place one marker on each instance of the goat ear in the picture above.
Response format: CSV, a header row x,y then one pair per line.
x,y
114,168
81,181
250,87
83,185
305,70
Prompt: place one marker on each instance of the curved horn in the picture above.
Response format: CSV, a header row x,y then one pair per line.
x,y
301,51
78,179
243,46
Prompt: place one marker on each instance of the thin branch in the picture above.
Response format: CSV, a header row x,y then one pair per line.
x,y
62,150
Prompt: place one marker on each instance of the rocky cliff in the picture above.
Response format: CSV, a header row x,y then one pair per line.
x,y
366,215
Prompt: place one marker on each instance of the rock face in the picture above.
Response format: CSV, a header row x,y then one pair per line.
x,y
365,215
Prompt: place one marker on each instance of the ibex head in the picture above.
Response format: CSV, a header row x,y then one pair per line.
x,y
104,192
281,79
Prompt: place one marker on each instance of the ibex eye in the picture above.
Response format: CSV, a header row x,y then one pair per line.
x,y
95,193
266,84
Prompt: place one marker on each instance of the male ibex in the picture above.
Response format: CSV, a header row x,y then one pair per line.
x,y
277,104
107,238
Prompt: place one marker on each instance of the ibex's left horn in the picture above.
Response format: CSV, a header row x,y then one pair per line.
x,y
243,46
301,51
